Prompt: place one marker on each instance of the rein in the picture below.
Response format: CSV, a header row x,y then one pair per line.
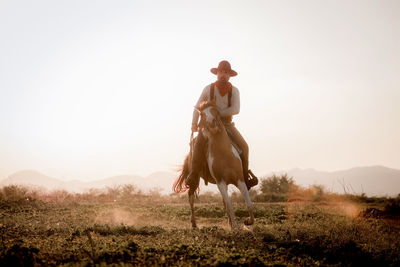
x,y
191,143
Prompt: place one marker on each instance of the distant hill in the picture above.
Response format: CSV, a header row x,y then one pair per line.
x,y
371,180
32,177
161,181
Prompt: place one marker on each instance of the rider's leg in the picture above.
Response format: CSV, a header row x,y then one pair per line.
x,y
238,139
197,161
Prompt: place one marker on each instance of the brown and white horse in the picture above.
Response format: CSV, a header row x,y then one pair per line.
x,y
224,165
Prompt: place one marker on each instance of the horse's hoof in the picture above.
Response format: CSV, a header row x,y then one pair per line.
x,y
245,228
194,226
249,221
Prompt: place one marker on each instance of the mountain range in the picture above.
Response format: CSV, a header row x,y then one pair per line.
x,y
161,181
371,180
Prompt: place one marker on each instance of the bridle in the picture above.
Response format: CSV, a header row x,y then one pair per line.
x,y
214,126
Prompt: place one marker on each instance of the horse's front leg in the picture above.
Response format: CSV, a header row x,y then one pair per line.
x,y
243,189
226,210
231,215
191,202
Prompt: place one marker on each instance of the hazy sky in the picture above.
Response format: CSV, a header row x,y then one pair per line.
x,y
90,89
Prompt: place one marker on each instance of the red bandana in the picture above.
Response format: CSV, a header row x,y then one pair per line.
x,y
223,88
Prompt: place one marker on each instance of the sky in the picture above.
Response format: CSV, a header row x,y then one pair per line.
x,y
92,89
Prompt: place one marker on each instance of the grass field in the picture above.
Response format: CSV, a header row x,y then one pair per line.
x,y
124,227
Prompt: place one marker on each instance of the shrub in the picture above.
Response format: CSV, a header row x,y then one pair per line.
x,y
128,190
14,192
393,207
276,184
20,194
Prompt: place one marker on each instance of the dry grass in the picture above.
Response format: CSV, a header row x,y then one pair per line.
x,y
122,225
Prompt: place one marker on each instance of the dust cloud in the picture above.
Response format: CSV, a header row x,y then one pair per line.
x,y
117,216
302,198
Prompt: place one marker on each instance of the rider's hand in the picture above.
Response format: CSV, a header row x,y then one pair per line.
x,y
194,128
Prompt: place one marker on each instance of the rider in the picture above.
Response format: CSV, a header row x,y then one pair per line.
x,y
228,103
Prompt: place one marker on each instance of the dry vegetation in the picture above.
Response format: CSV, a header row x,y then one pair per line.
x,y
294,226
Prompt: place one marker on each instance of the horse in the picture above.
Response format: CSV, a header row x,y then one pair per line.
x,y
224,165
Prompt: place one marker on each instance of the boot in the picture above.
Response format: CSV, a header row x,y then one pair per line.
x,y
251,180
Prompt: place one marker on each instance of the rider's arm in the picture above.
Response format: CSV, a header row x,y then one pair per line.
x,y
203,97
235,104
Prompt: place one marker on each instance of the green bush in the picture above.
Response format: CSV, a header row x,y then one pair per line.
x,y
276,184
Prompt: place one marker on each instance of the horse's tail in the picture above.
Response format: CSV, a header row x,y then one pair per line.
x,y
180,185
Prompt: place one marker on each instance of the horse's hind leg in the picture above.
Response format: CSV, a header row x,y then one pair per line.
x,y
243,189
193,185
224,192
191,202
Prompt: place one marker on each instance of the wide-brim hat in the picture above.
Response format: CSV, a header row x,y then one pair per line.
x,y
224,65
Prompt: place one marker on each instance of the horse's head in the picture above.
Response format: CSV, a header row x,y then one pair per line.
x,y
210,121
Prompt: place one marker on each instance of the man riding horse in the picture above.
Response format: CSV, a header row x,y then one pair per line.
x,y
227,100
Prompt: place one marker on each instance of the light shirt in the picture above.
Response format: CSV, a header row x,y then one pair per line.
x,y
221,101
